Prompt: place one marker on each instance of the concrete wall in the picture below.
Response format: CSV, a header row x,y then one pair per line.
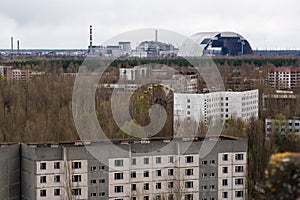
x,y
10,172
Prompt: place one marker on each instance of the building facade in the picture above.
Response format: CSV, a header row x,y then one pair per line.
x,y
144,169
23,75
10,167
216,105
284,78
282,126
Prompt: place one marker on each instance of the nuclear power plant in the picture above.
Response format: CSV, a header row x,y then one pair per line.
x,y
211,44
221,44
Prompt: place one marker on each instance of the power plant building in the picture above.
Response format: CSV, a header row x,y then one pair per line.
x,y
222,43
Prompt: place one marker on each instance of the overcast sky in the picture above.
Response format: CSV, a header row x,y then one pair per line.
x,y
267,24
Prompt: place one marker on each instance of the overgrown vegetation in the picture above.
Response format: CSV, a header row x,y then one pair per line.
x,y
41,110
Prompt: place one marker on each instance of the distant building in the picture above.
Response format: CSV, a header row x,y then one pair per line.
x,y
6,72
159,74
23,75
131,74
218,105
280,102
158,49
282,126
222,43
284,78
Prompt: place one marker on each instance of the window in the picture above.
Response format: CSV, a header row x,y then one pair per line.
x,y
56,179
171,159
93,194
133,161
204,162
56,192
239,169
102,167
239,156
146,197
158,186
118,176
225,157
188,197
93,168
42,166
189,172
43,193
76,165
239,193
118,163
188,112
239,181
76,192
225,195
224,182
94,181
204,175
102,181
133,174
158,172
189,159
212,187
212,161
189,184
76,178
170,172
146,173
188,100
43,179
133,187
204,187
212,174
118,189
225,170
170,184
56,165
146,186
102,194
158,160
146,161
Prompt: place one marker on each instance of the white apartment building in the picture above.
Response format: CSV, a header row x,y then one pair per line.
x,y
215,105
231,175
154,177
131,74
57,178
157,169
176,176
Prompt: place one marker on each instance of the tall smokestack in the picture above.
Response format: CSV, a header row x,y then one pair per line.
x,y
91,38
156,36
18,46
12,43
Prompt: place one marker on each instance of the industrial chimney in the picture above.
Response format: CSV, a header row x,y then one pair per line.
x,y
18,47
91,39
12,44
156,36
